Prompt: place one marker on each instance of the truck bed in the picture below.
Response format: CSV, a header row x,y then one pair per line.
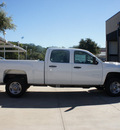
x,y
34,69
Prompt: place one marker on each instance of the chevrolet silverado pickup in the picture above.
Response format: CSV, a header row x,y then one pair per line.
x,y
63,68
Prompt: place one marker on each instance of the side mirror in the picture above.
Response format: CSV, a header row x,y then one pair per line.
x,y
95,61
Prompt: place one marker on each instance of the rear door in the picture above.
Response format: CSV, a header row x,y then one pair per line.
x,y
58,69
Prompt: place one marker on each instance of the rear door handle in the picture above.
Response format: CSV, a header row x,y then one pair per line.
x,y
53,66
77,67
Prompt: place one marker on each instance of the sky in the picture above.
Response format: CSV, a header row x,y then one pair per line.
x,y
61,23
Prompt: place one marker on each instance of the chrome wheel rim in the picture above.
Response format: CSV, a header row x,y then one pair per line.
x,y
115,87
15,88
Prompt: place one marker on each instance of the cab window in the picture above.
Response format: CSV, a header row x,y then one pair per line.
x,y
83,58
60,56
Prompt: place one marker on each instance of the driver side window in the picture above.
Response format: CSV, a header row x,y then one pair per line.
x,y
83,58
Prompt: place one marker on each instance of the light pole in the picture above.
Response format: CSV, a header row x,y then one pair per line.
x,y
31,53
26,52
4,33
18,50
118,41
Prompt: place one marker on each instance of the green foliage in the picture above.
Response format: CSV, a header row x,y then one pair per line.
x,y
89,45
5,21
33,52
2,5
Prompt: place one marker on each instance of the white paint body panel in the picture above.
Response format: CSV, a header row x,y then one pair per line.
x,y
87,75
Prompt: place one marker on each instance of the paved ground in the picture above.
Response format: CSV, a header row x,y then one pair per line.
x,y
59,109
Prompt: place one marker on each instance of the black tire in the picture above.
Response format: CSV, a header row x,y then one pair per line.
x,y
100,88
15,87
112,87
27,86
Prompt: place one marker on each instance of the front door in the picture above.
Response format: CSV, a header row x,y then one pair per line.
x,y
84,71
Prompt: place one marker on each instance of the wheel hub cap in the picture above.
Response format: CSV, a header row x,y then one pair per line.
x,y
15,88
115,87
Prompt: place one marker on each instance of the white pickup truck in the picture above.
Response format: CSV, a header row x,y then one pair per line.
x,y
63,68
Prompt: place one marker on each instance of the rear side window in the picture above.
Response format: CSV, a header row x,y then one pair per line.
x,y
60,56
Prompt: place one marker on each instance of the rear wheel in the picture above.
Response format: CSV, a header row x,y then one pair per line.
x,y
113,87
15,87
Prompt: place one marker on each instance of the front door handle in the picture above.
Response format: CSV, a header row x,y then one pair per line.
x,y
77,67
53,66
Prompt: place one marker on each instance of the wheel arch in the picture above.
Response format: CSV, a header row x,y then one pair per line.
x,y
12,73
112,75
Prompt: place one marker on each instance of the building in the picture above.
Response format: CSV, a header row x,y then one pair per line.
x,y
113,38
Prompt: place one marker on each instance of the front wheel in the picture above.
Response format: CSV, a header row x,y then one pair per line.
x,y
15,87
112,87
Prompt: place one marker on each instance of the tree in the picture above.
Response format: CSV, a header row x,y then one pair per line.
x,y
5,21
89,45
33,52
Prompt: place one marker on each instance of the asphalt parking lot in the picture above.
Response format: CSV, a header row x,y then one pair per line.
x,y
49,108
